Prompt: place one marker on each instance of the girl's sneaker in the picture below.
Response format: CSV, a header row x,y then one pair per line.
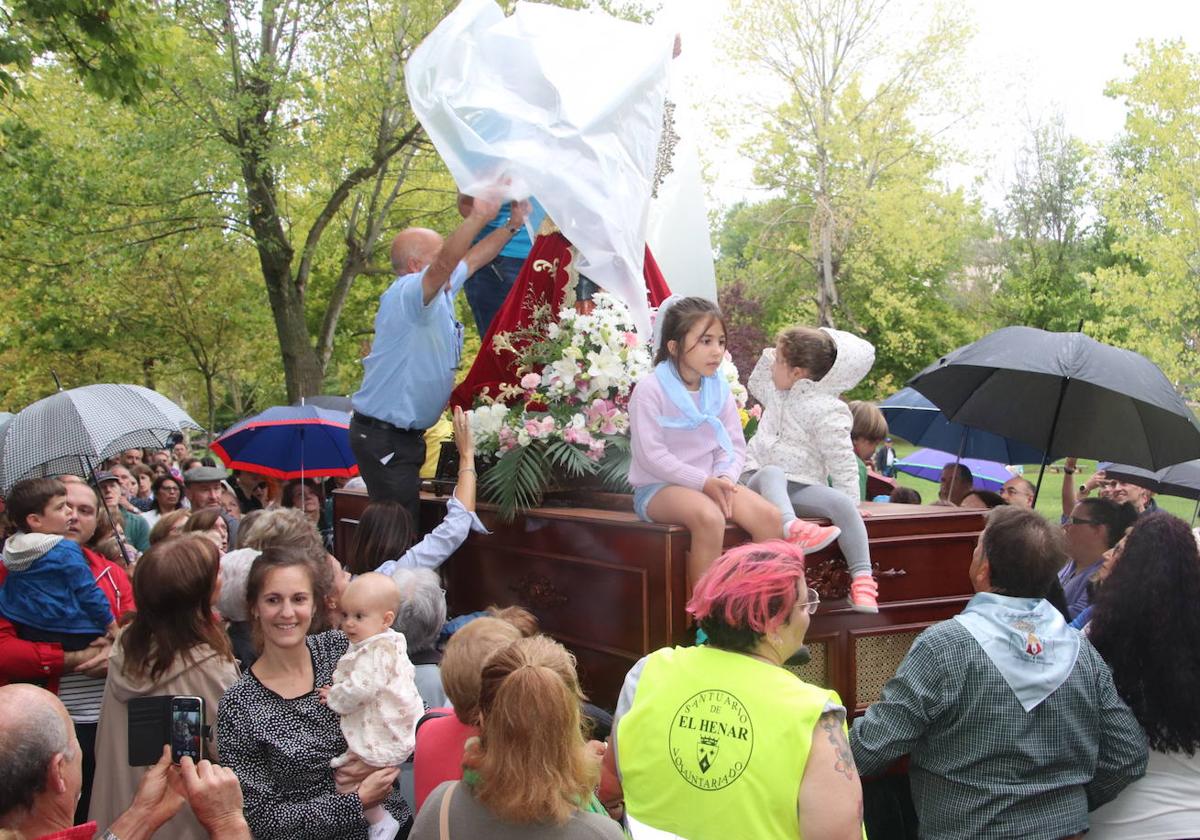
x,y
863,592
812,537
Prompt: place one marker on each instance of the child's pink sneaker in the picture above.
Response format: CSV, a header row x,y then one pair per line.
x,y
812,537
863,592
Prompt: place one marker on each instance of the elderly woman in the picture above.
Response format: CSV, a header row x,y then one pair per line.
x,y
421,616
689,719
1146,627
274,731
529,774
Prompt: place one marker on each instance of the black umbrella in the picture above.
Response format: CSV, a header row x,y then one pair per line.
x,y
331,402
1181,480
1067,394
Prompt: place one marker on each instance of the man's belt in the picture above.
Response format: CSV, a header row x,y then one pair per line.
x,y
376,423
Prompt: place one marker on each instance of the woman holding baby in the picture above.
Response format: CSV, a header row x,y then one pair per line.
x,y
276,730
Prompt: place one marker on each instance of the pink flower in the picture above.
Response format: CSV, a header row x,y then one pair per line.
x,y
530,381
579,436
538,429
756,412
631,339
601,416
596,450
507,438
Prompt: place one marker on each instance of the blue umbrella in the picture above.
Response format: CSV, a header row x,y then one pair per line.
x,y
921,423
928,464
290,441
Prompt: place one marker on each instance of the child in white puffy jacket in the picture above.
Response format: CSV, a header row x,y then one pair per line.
x,y
801,457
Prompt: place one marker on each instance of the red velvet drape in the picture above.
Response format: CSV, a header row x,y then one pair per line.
x,y
542,281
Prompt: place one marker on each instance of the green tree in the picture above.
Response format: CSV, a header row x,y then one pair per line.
x,y
1152,205
845,122
115,46
1048,247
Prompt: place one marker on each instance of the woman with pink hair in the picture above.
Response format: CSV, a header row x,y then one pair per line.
x,y
723,740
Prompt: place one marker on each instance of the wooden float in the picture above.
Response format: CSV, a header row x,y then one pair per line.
x,y
612,588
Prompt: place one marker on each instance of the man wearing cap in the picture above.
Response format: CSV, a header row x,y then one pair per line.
x,y
133,526
408,376
203,486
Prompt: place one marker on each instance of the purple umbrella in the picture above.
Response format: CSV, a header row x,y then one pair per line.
x,y
928,463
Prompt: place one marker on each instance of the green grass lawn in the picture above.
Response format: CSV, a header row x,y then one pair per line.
x,y
1049,500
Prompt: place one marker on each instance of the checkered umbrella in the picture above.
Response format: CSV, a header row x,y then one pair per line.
x,y
72,431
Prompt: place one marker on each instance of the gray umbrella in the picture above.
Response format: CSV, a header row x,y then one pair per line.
x,y
1067,394
70,432
1181,480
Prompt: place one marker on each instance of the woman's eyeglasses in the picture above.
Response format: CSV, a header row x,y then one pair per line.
x,y
814,601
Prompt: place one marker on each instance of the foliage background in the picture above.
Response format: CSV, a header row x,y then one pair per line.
x,y
146,190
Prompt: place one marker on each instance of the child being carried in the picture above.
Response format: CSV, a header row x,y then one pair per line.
x,y
373,687
49,593
803,443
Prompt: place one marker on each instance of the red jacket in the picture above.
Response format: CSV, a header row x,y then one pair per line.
x,y
42,662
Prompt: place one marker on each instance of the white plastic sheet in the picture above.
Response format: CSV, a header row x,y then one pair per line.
x,y
563,105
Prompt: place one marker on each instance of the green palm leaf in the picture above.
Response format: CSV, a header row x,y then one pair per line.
x,y
516,481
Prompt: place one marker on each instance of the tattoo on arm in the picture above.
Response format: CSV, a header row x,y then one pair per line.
x,y
832,725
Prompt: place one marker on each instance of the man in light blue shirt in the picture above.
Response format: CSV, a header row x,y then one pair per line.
x,y
408,376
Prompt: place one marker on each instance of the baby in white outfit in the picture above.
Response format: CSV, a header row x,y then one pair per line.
x,y
373,687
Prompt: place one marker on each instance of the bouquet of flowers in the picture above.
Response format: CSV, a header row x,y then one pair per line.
x,y
567,419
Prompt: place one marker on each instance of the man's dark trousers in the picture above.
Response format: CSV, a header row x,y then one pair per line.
x,y
399,479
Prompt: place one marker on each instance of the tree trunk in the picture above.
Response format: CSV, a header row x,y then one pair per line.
x,y
827,294
303,372
148,372
210,396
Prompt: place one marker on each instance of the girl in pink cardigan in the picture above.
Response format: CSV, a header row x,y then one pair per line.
x,y
688,448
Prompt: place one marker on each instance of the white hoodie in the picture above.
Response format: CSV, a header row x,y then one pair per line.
x,y
805,430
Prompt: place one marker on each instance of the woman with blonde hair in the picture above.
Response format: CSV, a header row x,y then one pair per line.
x,y
444,733
530,774
174,646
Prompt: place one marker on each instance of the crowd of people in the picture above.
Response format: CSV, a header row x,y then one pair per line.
x,y
339,700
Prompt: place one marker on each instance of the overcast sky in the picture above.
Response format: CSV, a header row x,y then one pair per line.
x,y
1033,57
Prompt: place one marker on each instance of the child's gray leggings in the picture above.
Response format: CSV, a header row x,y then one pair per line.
x,y
795,499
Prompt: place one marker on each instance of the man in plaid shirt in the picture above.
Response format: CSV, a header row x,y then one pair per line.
x,y
1010,717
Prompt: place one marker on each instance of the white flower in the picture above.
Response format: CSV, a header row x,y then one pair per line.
x,y
563,373
605,369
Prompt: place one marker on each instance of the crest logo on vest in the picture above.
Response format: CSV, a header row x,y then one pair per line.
x,y
711,739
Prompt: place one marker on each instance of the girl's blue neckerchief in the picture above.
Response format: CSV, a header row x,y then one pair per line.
x,y
714,393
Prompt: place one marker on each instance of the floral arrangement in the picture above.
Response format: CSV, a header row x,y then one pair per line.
x,y
567,418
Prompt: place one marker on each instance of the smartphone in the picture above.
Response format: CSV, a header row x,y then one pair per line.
x,y
187,727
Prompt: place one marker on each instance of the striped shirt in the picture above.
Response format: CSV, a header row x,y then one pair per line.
x,y
82,695
984,767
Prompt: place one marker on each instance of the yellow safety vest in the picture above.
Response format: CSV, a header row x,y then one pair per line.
x,y
716,743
